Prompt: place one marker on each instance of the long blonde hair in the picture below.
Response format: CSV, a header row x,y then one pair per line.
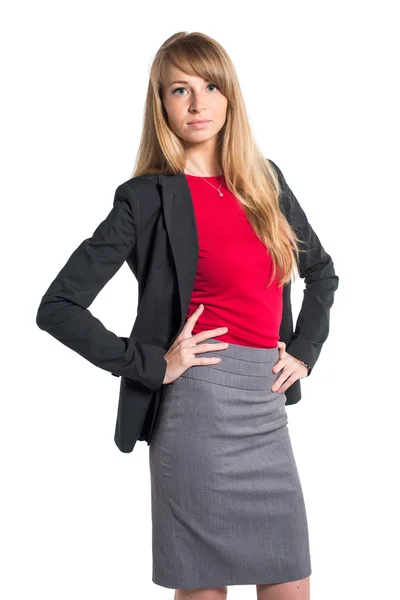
x,y
249,176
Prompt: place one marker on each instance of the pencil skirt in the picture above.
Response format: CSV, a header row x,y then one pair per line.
x,y
227,505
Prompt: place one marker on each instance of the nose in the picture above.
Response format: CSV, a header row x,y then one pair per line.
x,y
197,103
196,107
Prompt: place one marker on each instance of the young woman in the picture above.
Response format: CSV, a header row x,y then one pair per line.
x,y
212,232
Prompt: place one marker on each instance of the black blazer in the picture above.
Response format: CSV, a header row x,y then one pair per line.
x,y
152,227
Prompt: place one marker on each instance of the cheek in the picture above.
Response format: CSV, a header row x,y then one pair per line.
x,y
172,111
179,119
221,111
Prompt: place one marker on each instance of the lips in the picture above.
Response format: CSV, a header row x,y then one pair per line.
x,y
201,121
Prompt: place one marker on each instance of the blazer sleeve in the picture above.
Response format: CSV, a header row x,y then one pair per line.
x,y
316,267
63,311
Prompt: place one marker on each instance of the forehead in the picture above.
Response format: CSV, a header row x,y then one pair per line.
x,y
173,73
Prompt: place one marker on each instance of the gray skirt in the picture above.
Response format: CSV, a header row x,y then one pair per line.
x,y
226,500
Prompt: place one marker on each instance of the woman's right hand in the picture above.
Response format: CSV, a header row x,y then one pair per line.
x,y
182,353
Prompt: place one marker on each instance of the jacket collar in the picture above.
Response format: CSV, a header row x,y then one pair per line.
x,y
180,224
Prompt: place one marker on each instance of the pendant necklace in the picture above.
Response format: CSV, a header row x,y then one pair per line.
x,y
218,189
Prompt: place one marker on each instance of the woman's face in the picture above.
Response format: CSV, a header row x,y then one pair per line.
x,y
187,98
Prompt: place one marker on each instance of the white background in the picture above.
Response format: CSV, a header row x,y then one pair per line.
x,y
320,84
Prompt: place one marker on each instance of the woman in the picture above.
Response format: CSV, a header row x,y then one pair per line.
x,y
212,232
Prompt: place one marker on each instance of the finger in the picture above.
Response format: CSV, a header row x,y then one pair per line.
x,y
195,314
288,383
207,361
277,385
281,364
205,335
209,347
190,321
282,349
280,380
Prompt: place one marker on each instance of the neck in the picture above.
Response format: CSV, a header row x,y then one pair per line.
x,y
202,163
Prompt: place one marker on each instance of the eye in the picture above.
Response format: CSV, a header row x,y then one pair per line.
x,y
182,88
177,89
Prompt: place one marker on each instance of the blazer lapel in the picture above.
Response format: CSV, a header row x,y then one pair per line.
x,y
180,224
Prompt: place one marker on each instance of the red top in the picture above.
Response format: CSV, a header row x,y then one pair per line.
x,y
233,269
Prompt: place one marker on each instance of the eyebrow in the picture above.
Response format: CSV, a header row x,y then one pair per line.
x,y
172,83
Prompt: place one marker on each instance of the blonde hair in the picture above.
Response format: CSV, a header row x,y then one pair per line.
x,y
249,176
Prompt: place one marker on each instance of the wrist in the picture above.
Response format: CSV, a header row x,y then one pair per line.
x,y
306,365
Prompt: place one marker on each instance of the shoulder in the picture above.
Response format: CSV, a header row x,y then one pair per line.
x,y
289,204
140,188
278,173
143,183
285,193
142,194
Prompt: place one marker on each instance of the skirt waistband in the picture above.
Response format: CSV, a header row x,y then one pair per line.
x,y
261,355
240,367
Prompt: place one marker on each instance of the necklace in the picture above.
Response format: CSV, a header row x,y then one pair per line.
x,y
218,189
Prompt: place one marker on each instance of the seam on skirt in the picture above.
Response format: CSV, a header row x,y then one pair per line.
x,y
233,387
224,352
216,368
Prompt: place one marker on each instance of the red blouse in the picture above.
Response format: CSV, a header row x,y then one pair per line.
x,y
232,271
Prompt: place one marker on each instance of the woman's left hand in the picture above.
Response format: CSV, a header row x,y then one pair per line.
x,y
292,369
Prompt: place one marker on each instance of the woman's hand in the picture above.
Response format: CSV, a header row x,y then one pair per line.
x,y
182,353
292,369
